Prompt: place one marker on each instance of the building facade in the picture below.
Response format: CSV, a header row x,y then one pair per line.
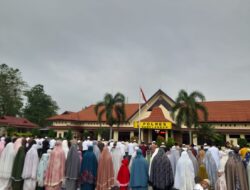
x,y
230,118
18,123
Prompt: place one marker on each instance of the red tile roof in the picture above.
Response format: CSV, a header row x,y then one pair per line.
x,y
227,111
17,122
219,111
88,114
156,116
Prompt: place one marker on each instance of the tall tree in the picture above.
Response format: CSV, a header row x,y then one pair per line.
x,y
207,132
11,91
113,107
39,105
186,110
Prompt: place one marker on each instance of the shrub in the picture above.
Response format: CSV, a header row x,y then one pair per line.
x,y
51,133
242,142
10,131
170,142
160,140
36,132
69,135
26,134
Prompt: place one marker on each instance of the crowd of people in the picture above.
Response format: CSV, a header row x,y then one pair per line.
x,y
43,163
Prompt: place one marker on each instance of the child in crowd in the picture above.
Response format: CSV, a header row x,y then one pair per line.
x,y
197,181
205,184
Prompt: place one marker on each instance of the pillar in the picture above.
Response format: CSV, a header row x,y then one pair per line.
x,y
172,133
142,135
116,135
227,137
166,135
149,136
195,140
131,134
242,136
99,137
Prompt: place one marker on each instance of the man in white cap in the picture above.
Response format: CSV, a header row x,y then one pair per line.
x,y
52,143
131,149
86,144
205,184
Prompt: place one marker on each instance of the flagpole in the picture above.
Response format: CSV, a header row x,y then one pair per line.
x,y
139,140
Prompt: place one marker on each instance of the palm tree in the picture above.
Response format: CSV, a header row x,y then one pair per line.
x,y
207,132
114,109
186,110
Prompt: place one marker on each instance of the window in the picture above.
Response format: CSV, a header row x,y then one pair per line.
x,y
234,136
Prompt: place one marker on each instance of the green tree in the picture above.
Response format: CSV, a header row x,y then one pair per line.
x,y
11,91
207,133
10,131
113,107
170,142
242,142
51,133
185,111
39,106
69,135
160,140
36,133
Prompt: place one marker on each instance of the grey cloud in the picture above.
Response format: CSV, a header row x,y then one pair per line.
x,y
81,49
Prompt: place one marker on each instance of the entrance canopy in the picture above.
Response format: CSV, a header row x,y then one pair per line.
x,y
156,120
153,125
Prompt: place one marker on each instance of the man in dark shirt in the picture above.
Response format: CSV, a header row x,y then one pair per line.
x,y
144,148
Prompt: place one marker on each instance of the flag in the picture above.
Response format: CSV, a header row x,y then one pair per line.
x,y
143,95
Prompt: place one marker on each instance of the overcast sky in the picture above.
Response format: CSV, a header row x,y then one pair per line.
x,y
79,50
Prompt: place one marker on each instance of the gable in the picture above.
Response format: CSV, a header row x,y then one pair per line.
x,y
159,99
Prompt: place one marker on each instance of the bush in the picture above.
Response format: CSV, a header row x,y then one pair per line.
x,y
160,140
10,131
170,142
26,134
36,132
103,131
242,142
52,133
218,139
69,135
85,134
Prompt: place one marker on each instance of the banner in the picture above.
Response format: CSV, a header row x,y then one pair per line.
x,y
153,125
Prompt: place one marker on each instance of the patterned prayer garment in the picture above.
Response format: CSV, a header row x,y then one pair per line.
x,y
161,175
56,168
211,168
105,174
72,168
30,168
221,183
235,172
6,162
42,167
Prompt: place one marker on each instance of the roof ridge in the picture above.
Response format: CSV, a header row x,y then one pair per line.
x,y
216,101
